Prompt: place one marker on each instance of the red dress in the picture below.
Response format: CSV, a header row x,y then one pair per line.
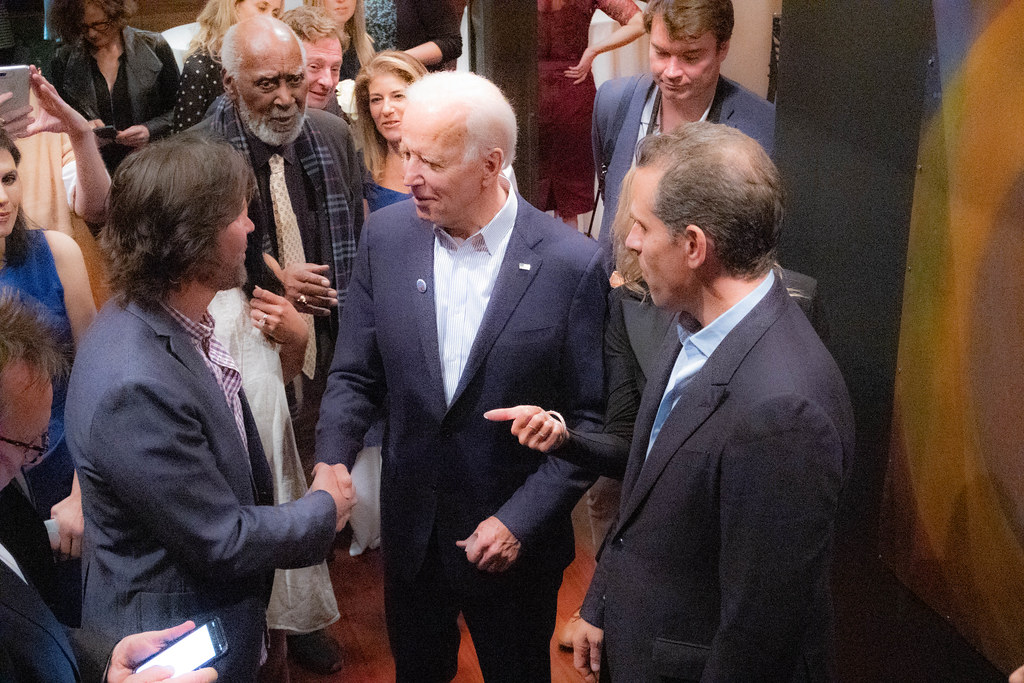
x,y
566,177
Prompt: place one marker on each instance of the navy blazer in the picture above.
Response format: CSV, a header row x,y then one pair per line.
x,y
179,516
732,105
446,468
717,567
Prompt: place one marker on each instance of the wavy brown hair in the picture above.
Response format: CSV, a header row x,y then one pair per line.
x,y
169,204
690,19
65,16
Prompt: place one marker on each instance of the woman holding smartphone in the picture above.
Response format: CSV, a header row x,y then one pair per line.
x,y
113,74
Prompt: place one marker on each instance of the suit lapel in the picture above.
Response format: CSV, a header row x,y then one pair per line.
x,y
421,266
180,346
23,599
648,409
698,401
511,284
80,93
142,63
723,105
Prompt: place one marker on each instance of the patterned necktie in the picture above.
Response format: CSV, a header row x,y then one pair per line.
x,y
289,246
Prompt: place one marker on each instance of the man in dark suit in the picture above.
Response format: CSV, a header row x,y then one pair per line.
x,y
33,645
689,42
717,567
465,298
176,489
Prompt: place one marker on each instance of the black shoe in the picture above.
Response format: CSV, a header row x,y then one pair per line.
x,y
315,651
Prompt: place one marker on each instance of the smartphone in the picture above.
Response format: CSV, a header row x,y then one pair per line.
x,y
14,79
108,132
192,651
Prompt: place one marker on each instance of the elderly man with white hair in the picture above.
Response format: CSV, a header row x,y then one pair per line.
x,y
462,299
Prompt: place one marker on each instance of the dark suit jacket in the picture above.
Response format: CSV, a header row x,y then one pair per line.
x,y
150,69
446,468
733,105
718,565
635,332
33,645
179,522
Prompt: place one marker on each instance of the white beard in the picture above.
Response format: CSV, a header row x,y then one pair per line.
x,y
259,126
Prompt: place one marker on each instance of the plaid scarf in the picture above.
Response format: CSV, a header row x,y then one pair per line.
x,y
324,179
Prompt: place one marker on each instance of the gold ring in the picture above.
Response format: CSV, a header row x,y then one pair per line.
x,y
302,299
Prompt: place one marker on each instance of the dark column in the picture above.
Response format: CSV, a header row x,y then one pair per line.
x,y
849,110
503,47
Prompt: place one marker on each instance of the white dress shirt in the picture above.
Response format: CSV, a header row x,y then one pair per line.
x,y
464,276
8,559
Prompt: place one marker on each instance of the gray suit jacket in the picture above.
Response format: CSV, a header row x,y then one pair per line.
x,y
179,522
618,107
717,567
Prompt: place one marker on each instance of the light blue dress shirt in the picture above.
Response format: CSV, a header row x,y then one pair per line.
x,y
698,347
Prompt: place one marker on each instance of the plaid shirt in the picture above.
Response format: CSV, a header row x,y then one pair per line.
x,y
218,360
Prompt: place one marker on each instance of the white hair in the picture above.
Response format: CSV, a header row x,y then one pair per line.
x,y
490,121
231,51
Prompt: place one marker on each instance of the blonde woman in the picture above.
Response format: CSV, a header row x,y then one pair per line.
x,y
380,105
201,81
351,16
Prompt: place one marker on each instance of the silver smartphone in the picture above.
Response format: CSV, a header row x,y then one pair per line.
x,y
14,79
192,651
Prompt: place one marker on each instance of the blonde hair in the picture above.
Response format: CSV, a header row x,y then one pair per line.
x,y
387,63
216,17
354,31
626,262
312,24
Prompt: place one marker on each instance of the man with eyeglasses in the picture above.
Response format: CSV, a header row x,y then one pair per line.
x,y
33,645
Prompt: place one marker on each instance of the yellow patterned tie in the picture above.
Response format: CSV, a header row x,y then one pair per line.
x,y
289,246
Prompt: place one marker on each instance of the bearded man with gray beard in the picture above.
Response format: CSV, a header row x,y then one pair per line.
x,y
307,212
308,206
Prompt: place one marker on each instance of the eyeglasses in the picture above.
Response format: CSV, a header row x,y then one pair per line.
x,y
98,26
33,453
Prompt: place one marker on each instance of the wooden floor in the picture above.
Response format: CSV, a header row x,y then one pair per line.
x,y
358,585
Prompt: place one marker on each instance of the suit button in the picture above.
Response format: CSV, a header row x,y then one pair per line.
x,y
618,542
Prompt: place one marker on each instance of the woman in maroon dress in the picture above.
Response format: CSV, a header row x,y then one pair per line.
x,y
566,96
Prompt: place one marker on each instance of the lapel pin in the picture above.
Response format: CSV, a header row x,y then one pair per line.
x,y
421,286
524,266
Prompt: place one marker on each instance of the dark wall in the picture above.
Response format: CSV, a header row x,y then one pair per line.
x,y
850,97
849,111
503,47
